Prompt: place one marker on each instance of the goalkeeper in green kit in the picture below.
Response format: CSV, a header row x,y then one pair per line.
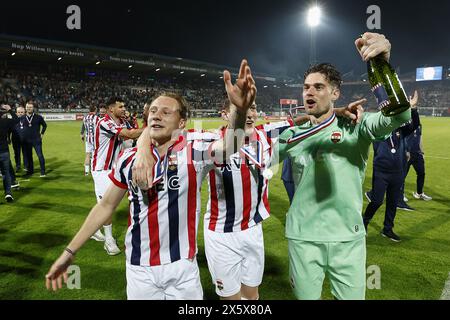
x,y
324,226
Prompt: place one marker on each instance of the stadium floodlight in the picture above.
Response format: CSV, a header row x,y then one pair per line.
x,y
314,15
313,19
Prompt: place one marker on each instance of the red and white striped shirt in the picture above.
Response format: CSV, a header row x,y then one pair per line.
x,y
238,192
107,143
90,122
163,221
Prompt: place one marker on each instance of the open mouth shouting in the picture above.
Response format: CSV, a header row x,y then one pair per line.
x,y
310,103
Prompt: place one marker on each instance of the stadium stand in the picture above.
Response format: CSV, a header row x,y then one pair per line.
x,y
74,85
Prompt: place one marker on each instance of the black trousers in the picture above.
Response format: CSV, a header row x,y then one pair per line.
x,y
5,171
18,148
37,145
391,185
418,163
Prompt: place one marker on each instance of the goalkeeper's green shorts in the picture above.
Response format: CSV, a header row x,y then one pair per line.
x,y
343,262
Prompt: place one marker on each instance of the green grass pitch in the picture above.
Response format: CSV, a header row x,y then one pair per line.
x,y
47,213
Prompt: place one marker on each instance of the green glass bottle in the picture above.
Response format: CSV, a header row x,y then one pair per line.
x,y
386,87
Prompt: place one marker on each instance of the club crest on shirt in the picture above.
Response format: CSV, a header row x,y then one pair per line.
x,y
336,136
173,162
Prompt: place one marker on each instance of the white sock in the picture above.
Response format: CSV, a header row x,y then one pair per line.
x,y
108,232
86,169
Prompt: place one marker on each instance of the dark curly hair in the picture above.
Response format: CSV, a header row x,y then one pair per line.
x,y
330,72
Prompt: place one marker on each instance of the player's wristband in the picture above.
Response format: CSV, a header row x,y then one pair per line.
x,y
69,251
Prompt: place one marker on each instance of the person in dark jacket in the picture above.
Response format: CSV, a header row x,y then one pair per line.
x,y
16,140
30,126
416,159
388,176
8,120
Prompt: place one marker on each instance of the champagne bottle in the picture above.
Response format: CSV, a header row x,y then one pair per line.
x,y
386,87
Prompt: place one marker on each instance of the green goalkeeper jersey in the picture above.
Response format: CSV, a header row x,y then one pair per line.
x,y
329,170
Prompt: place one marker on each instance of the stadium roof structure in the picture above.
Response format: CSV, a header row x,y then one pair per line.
x,y
110,58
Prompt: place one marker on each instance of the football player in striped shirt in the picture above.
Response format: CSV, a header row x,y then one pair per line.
x,y
109,134
161,238
87,135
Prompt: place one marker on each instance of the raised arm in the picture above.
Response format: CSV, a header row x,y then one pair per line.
x,y
373,127
242,94
7,108
370,45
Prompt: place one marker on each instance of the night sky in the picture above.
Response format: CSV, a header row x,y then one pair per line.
x,y
272,35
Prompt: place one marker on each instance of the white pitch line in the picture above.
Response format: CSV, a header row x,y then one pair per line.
x,y
443,158
446,291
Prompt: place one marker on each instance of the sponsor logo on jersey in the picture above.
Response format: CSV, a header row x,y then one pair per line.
x,y
174,183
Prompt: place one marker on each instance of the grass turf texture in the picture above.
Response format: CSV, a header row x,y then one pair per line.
x,y
48,212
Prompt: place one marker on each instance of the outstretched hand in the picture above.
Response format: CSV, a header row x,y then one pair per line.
x,y
58,272
354,111
371,45
243,93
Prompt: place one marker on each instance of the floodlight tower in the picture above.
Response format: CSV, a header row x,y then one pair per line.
x,y
314,16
